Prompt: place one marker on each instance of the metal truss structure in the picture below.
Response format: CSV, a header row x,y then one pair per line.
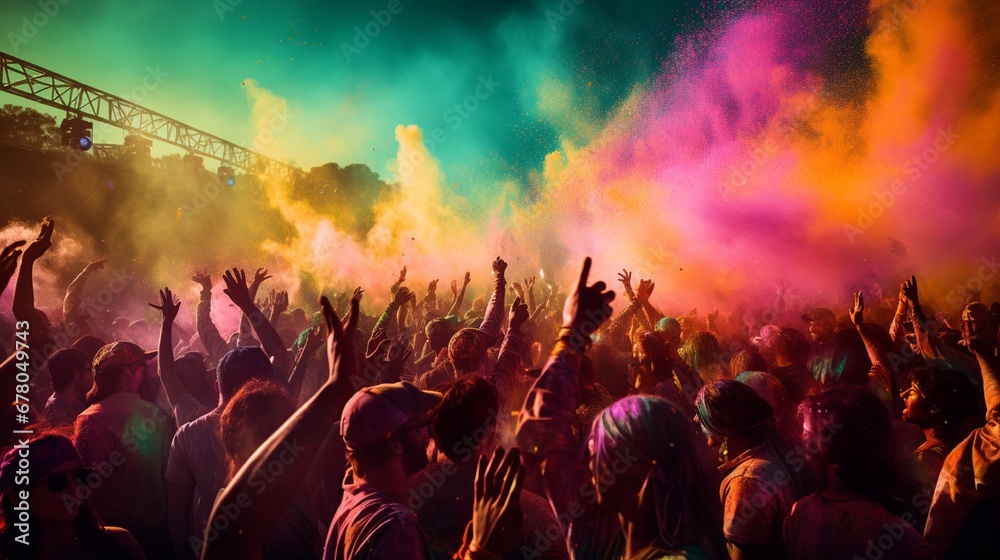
x,y
30,81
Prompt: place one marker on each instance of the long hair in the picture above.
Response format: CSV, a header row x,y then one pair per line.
x,y
670,456
731,409
257,410
703,353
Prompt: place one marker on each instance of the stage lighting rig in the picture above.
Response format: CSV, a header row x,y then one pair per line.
x,y
77,133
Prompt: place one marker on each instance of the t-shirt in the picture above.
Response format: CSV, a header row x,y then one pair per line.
x,y
757,495
822,529
125,439
58,413
965,512
370,524
198,459
188,409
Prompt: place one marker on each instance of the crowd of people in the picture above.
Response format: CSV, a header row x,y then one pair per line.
x,y
527,423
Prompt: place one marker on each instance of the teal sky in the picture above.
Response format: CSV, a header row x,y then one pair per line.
x,y
559,68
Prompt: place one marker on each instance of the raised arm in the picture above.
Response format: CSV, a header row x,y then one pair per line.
x,y
39,340
215,345
642,296
387,320
456,308
877,353
279,304
313,341
74,297
8,264
545,429
172,386
509,359
304,432
239,293
24,290
493,321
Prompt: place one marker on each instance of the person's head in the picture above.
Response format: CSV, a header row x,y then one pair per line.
x,y
385,426
671,330
822,324
57,487
769,388
439,332
90,344
976,321
938,398
729,409
52,467
746,360
240,365
118,367
649,465
703,353
791,347
851,429
298,319
650,358
255,412
466,350
197,377
69,367
465,422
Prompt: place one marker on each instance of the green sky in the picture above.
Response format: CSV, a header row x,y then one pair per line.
x,y
557,69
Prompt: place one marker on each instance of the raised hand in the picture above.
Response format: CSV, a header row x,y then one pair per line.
x,y
203,279
95,265
908,291
279,301
432,289
341,300
402,296
399,281
587,307
518,290
468,278
645,290
236,288
518,314
713,316
529,284
41,243
399,352
454,289
8,262
259,276
340,350
857,312
358,292
625,277
167,306
499,268
496,509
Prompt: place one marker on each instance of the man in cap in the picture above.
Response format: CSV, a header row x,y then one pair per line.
x,y
385,431
125,439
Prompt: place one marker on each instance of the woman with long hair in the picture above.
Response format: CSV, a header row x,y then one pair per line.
x,y
651,468
62,522
761,478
